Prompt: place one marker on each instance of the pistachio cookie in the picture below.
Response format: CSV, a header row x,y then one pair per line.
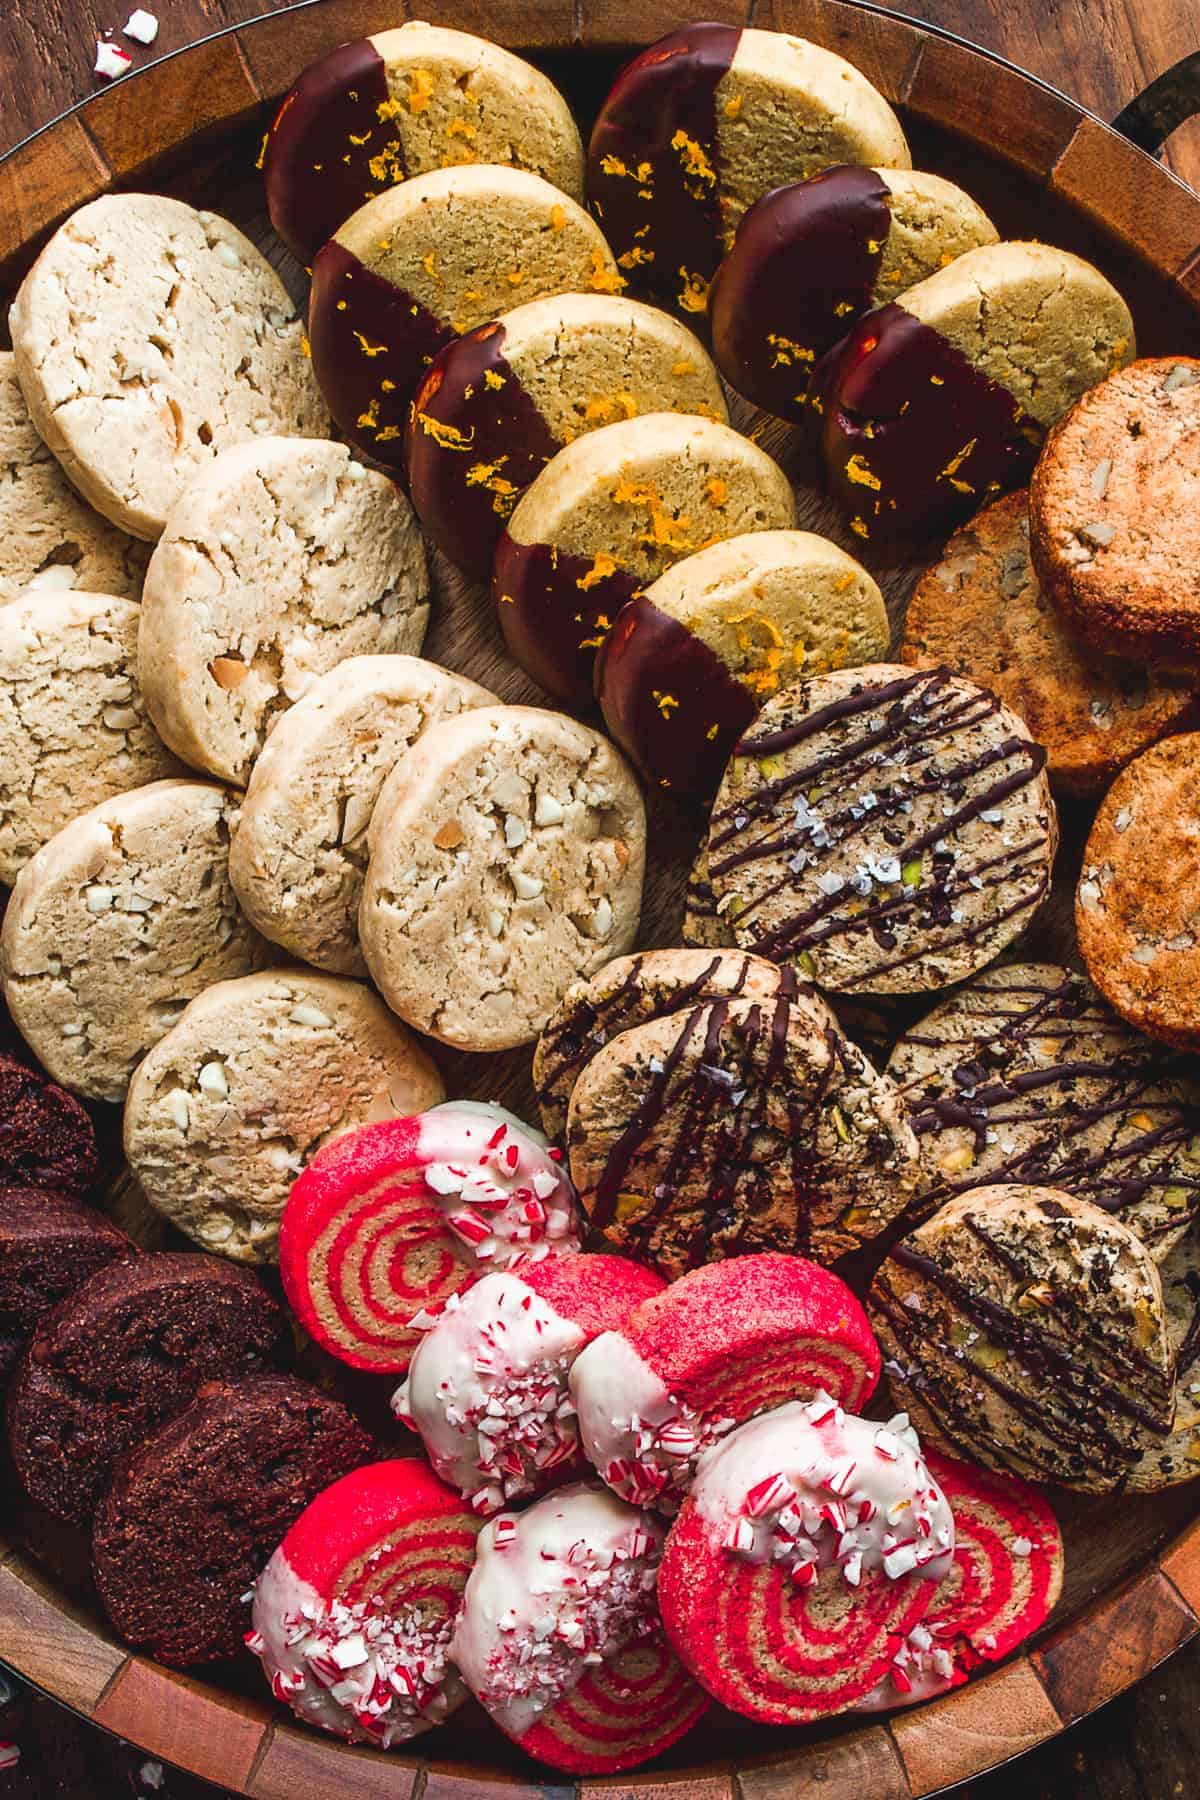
x,y
1177,1458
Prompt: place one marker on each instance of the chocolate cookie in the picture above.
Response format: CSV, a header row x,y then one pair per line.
x,y
46,1138
49,1245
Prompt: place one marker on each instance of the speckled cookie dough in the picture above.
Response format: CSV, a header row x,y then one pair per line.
x,y
299,847
257,1075
1177,1458
507,854
279,561
115,924
73,726
49,538
703,928
148,337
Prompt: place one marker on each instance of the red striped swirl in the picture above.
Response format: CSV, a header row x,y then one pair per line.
x,y
630,1708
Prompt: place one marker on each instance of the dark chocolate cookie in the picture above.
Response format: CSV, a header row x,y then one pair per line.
x,y
46,1137
49,1246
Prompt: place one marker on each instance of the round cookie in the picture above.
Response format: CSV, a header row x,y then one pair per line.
x,y
49,538
195,1512
1025,1331
149,337
702,927
279,560
299,847
1177,1458
528,830
400,103
47,1140
607,516
982,612
49,1245
689,662
705,121
1115,480
890,830
736,1125
115,924
254,1077
1137,905
939,401
499,402
1026,1076
424,262
810,258
73,725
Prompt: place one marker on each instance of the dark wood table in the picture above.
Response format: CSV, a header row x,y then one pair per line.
x,y
1145,1746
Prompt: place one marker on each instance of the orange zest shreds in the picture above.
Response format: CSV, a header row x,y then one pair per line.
x,y
602,624
388,109
386,386
516,277
859,527
420,90
733,105
604,279
462,128
712,731
683,367
693,297
429,264
262,149
874,246
506,600
666,703
492,380
788,351
956,462
613,165
642,230
369,349
936,381
717,491
861,473
388,165
634,493
694,158
603,565
605,406
358,141
843,307
387,434
558,217
842,583
305,346
367,421
632,257
447,437
341,306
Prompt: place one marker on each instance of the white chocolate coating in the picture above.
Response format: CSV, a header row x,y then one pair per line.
x,y
642,1440
500,1186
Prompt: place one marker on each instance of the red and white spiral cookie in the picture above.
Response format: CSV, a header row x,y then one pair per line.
x,y
718,1346
392,1219
560,1640
487,1385
354,1612
812,1541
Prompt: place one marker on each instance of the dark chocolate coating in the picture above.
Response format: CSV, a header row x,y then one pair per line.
x,y
49,1245
915,438
552,625
46,1138
664,223
318,155
371,345
475,442
668,700
802,268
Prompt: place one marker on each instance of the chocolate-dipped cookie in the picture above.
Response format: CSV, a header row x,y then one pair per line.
x,y
702,123
812,257
690,661
1025,1330
607,516
498,403
1177,1458
889,829
424,262
49,1245
405,102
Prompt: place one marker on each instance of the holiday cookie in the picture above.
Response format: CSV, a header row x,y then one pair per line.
x,y
195,1512
810,258
499,402
392,1219
982,612
278,561
811,1541
49,1245
424,262
149,337
689,662
702,927
721,1344
704,122
939,401
1138,899
607,516
1177,1458
253,1078
353,1613
74,729
47,1140
129,1348
1025,1075
50,538
487,1385
400,103
735,1125
530,829
891,830
1115,477
115,924
1025,1331
559,1636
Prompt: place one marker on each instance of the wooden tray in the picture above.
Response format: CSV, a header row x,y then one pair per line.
x,y
191,124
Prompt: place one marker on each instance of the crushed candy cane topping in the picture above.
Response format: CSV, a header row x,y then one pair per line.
x,y
498,1181
111,61
141,26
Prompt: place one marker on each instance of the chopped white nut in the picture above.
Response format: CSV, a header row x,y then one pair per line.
x,y
141,26
514,831
211,1081
54,575
495,923
111,60
602,918
178,1108
548,810
527,887
119,718
100,899
225,253
307,1014
354,470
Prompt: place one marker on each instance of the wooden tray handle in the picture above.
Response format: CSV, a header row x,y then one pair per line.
x,y
1170,98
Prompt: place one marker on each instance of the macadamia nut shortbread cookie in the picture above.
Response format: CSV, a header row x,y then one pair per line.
x,y
498,403
149,337
507,855
255,1076
115,924
299,847
426,261
49,537
401,103
704,122
890,829
278,561
73,726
